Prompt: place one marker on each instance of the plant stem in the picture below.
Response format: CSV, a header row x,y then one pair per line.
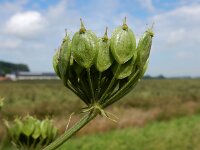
x,y
91,86
124,90
99,85
79,94
102,99
69,133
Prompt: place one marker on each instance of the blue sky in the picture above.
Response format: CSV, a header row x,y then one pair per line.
x,y
31,30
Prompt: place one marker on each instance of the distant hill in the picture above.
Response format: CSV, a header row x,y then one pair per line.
x,y
7,67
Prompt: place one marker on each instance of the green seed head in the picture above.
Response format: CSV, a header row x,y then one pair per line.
x,y
31,133
103,70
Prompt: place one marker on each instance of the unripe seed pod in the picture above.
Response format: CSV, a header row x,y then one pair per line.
x,y
104,58
144,46
37,131
55,63
123,43
64,57
28,126
125,69
44,128
144,68
17,130
84,47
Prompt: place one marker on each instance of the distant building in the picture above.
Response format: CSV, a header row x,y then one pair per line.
x,y
31,76
11,76
35,76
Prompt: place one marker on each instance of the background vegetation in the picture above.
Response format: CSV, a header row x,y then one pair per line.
x,y
144,114
7,67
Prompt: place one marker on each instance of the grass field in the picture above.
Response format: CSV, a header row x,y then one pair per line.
x,y
152,100
179,134
31,96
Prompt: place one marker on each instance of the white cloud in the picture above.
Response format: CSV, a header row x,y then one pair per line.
x,y
10,44
176,41
175,37
183,55
178,28
147,4
25,24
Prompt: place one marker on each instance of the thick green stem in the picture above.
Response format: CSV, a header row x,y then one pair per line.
x,y
69,133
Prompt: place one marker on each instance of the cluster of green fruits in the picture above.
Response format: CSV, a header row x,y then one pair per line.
x,y
30,133
102,70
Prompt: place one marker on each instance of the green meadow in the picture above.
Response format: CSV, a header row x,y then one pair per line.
x,y
178,134
156,115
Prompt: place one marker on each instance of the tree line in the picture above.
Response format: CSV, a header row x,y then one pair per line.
x,y
7,67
